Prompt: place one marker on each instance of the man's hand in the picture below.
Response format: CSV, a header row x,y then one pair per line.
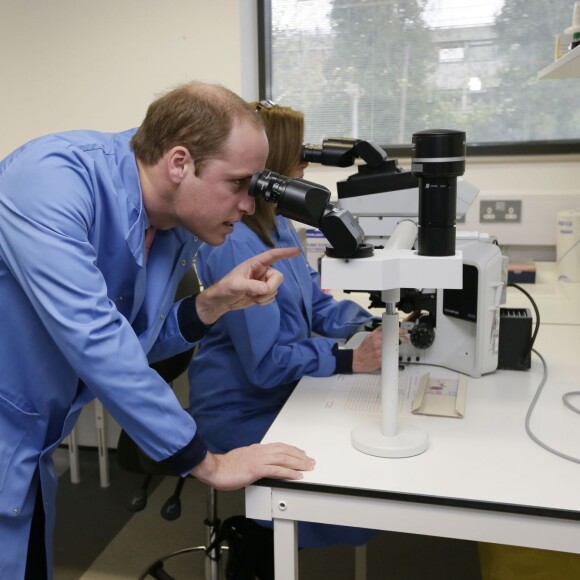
x,y
241,467
251,282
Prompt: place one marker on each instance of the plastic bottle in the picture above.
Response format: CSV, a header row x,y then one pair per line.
x,y
574,30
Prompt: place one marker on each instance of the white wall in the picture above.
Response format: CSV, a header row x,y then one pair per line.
x,y
545,185
97,64
491,175
71,64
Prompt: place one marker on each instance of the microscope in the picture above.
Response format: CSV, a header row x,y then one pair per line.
x,y
439,157
454,328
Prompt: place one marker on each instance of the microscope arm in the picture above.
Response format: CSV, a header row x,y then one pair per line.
x,y
389,269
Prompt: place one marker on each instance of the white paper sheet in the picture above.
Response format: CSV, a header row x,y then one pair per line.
x,y
362,393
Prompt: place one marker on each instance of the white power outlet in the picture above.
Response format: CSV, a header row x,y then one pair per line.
x,y
538,223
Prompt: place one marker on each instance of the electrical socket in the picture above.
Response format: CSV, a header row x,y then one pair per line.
x,y
538,225
500,210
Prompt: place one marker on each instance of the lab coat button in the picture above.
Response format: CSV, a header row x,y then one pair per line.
x,y
184,263
15,511
162,316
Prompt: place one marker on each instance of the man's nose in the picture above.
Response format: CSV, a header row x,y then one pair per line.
x,y
248,204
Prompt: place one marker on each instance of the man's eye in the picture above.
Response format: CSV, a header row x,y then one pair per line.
x,y
240,183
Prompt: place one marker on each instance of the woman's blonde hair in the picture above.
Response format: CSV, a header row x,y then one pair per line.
x,y
285,131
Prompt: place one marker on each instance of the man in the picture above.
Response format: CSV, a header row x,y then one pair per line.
x,y
87,300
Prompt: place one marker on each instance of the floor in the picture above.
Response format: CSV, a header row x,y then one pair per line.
x,y
98,538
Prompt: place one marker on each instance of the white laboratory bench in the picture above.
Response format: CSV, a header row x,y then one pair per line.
x,y
482,478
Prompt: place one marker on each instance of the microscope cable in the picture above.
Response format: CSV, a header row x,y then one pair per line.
x,y
565,397
532,406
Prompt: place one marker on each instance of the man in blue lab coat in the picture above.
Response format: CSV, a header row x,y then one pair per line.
x,y
87,300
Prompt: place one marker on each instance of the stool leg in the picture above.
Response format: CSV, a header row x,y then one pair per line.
x,y
360,562
101,425
73,455
213,560
211,550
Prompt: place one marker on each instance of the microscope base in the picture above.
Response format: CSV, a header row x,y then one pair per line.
x,y
408,441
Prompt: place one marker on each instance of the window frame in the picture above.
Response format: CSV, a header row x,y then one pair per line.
x,y
486,149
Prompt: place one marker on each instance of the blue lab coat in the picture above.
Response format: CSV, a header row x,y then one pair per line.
x,y
79,316
251,360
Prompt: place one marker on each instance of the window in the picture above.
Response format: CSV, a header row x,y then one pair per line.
x,y
447,54
381,70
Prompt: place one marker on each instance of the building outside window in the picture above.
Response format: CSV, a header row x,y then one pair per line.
x,y
381,70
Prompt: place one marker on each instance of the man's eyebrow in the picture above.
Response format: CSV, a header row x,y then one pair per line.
x,y
241,177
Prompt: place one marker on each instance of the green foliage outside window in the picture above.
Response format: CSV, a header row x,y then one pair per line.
x,y
383,69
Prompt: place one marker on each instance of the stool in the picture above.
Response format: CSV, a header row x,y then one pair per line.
x,y
211,550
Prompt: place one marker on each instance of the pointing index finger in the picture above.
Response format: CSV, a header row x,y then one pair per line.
x,y
271,256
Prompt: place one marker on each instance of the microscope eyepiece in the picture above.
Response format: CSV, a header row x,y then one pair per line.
x,y
437,159
297,199
267,185
336,152
308,203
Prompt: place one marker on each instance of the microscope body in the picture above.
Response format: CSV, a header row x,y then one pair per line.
x,y
454,282
456,327
459,329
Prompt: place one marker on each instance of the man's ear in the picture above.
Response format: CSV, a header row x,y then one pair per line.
x,y
179,161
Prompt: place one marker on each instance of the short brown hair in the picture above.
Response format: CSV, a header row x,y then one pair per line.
x,y
197,116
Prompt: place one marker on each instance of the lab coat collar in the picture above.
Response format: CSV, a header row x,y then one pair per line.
x,y
130,196
130,199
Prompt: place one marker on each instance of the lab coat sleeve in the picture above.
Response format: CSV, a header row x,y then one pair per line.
x,y
274,341
335,318
330,317
46,215
181,331
190,325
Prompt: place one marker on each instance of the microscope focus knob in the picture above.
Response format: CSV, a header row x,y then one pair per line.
x,y
422,335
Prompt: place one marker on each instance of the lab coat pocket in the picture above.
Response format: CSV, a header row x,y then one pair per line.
x,y
15,424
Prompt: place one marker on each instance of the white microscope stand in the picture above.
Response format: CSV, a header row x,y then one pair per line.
x,y
388,270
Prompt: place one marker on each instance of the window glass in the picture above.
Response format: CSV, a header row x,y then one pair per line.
x,y
381,70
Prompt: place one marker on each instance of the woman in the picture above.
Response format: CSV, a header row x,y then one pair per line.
x,y
251,360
